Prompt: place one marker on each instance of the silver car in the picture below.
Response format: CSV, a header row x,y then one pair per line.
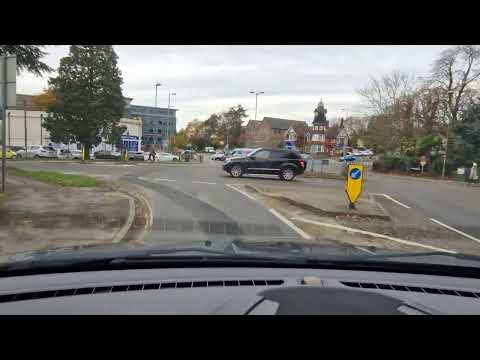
x,y
37,151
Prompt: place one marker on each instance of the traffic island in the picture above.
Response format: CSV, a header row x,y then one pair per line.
x,y
329,201
43,214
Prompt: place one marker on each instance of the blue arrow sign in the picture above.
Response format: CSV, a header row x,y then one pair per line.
x,y
355,174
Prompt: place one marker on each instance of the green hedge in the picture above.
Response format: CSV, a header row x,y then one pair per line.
x,y
401,163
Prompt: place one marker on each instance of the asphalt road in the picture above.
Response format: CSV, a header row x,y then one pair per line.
x,y
200,201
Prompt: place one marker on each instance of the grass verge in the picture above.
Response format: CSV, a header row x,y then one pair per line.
x,y
58,178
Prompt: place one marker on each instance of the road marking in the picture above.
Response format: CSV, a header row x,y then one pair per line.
x,y
455,230
395,201
204,182
406,242
241,192
292,225
149,179
366,250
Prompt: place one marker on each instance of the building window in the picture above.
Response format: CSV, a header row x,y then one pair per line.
x,y
315,137
160,123
314,149
159,131
322,137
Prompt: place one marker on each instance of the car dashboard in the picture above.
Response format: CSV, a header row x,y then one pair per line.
x,y
238,291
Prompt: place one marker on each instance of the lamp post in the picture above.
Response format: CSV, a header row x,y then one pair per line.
x,y
256,100
168,120
156,92
450,94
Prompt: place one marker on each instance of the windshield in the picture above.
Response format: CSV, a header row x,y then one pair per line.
x,y
358,152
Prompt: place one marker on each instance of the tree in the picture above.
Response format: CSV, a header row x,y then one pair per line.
x,y
467,136
180,140
454,72
28,57
89,96
231,124
45,99
113,134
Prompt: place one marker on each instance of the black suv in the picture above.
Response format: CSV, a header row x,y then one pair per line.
x,y
284,163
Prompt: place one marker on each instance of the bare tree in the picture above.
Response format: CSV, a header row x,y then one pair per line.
x,y
383,94
454,72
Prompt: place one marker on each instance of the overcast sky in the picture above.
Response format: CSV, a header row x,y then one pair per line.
x,y
209,79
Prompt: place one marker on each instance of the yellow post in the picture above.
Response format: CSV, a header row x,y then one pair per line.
x,y
83,153
353,184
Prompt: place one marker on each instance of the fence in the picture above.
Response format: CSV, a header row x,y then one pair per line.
x,y
332,166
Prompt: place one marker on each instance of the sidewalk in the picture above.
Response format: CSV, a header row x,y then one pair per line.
x,y
323,201
35,216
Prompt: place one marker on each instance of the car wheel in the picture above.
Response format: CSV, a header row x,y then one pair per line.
x,y
236,171
19,156
287,174
174,159
36,156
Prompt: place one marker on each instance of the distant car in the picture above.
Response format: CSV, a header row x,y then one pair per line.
x,y
9,154
64,154
367,153
218,156
284,163
37,151
17,148
348,158
107,155
166,157
136,155
76,154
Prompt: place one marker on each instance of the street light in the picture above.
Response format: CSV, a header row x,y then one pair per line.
x,y
256,100
450,94
168,120
156,92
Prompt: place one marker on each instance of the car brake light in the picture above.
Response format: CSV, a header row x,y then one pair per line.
x,y
302,163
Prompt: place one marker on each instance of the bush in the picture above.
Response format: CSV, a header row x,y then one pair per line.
x,y
388,163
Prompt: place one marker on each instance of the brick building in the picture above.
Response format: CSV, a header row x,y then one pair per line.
x,y
316,137
274,132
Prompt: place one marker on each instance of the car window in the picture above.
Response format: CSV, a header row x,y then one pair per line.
x,y
292,155
277,155
262,154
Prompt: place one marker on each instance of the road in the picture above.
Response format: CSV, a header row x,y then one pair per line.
x,y
201,202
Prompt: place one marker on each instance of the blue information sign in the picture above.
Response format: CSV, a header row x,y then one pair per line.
x,y
355,173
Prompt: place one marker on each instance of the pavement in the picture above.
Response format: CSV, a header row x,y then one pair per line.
x,y
35,216
201,202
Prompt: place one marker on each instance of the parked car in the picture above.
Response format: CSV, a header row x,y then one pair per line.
x,y
9,154
136,155
64,154
110,155
166,157
37,151
17,148
76,154
348,158
284,163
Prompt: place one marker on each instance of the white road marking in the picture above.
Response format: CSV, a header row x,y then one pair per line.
x,y
204,182
455,230
292,225
395,201
153,179
366,250
406,242
241,192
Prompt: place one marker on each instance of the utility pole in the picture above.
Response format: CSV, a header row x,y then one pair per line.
x,y
168,121
156,92
41,130
25,125
9,125
4,125
256,100
450,94
8,81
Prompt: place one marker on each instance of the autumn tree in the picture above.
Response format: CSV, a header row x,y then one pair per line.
x,y
45,99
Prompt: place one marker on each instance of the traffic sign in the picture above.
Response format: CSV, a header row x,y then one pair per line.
x,y
288,145
354,182
8,84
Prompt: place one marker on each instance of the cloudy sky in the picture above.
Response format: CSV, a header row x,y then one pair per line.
x,y
209,79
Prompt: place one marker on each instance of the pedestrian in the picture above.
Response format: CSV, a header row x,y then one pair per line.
x,y
151,155
473,177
